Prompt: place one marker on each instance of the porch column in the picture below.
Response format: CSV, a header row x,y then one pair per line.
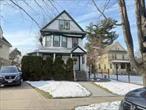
x,y
71,55
37,53
54,56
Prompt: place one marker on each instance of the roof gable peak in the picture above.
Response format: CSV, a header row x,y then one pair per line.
x,y
59,15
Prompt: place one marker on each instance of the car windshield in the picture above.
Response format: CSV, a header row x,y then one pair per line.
x,y
8,70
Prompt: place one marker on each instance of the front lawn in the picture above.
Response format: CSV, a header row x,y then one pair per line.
x,y
61,89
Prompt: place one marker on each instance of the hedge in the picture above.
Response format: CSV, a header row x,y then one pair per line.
x,y
69,69
35,68
32,67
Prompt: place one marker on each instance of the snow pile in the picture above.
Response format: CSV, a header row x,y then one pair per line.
x,y
119,88
101,106
61,88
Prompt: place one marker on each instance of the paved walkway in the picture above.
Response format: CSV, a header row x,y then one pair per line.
x,y
26,98
95,90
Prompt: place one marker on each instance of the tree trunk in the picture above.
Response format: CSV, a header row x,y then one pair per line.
x,y
127,34
144,79
140,68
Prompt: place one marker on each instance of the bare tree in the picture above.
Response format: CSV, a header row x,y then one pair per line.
x,y
140,16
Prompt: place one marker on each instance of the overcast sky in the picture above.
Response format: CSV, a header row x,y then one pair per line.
x,y
23,33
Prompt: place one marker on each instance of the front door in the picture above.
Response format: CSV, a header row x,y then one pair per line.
x,y
76,65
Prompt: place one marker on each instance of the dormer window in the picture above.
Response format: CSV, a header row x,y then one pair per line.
x,y
64,24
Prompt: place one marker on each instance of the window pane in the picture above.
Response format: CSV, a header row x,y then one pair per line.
x,y
61,24
48,41
74,42
64,24
56,42
67,25
64,41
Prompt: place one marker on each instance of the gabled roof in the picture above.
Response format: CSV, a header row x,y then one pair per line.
x,y
114,46
2,39
78,47
5,40
60,15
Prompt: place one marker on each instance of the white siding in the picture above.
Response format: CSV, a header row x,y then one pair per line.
x,y
4,52
69,43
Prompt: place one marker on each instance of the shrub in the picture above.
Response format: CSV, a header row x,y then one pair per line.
x,y
47,71
32,67
69,70
25,67
59,69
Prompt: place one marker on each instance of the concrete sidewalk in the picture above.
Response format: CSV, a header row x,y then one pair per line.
x,y
27,98
95,90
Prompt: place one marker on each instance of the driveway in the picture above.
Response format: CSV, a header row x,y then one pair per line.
x,y
21,98
26,98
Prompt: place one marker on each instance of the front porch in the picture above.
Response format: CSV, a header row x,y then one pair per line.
x,y
121,66
79,59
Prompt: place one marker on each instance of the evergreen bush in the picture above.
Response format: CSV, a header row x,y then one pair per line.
x,y
69,70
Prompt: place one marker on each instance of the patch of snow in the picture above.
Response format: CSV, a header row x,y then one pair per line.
x,y
119,88
61,88
101,106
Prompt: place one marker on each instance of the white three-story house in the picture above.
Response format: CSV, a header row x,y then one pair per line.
x,y
64,37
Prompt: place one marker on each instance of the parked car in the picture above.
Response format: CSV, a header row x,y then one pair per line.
x,y
134,100
10,75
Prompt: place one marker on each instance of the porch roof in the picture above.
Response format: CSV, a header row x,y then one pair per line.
x,y
76,50
120,61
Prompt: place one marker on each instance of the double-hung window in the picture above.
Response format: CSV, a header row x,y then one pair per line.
x,y
64,24
56,41
64,42
74,42
48,41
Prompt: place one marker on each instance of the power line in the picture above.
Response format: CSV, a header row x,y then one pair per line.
x,y
98,9
25,13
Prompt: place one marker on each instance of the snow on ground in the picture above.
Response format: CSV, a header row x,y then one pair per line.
x,y
61,88
119,88
101,106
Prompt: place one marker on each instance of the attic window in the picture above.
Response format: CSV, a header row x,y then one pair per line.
x,y
64,24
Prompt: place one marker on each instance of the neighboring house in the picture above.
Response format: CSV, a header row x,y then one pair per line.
x,y
4,49
114,59
63,37
15,57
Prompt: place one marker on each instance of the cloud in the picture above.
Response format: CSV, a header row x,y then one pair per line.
x,y
23,40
